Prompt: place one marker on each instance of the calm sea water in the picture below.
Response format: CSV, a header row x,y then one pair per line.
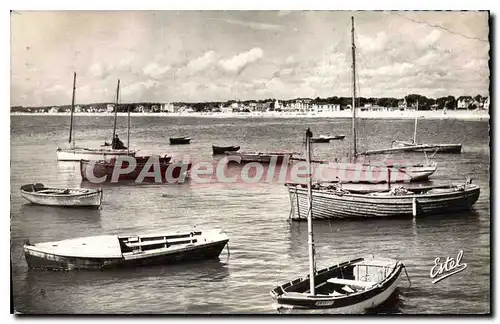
x,y
265,249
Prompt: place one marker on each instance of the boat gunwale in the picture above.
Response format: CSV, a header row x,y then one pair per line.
x,y
471,189
396,271
94,192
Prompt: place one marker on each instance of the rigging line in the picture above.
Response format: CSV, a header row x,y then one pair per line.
x,y
439,27
342,37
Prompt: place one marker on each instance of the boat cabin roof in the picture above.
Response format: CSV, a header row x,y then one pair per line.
x,y
104,246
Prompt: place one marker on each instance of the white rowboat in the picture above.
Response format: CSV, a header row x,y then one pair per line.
x,y
64,197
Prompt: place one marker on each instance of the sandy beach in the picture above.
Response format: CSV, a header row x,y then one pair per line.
x,y
439,114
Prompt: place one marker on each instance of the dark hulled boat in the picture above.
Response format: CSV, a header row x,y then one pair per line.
x,y
262,157
164,169
117,251
327,138
222,149
179,140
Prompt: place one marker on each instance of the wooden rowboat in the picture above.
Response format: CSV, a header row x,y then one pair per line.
x,y
65,197
262,157
350,287
117,251
333,202
179,140
222,149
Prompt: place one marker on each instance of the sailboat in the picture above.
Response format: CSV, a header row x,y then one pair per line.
x,y
414,146
357,172
332,201
350,287
74,153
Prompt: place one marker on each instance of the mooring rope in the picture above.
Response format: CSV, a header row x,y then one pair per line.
x,y
407,276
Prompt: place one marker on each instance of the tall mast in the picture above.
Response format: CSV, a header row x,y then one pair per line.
x,y
72,109
415,131
353,93
116,108
128,131
312,267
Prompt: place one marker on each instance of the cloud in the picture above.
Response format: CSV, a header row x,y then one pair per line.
x,y
430,38
139,87
202,62
253,24
375,44
239,62
155,70
397,69
99,71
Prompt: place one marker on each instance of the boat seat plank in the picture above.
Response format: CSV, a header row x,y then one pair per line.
x,y
161,241
351,282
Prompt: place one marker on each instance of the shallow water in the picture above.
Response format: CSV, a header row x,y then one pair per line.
x,y
265,248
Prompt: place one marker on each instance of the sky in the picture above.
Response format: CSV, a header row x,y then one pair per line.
x,y
195,56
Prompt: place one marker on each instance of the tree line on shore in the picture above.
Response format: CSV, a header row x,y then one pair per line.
x,y
412,100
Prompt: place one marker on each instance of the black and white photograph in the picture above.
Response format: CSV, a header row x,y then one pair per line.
x,y
251,162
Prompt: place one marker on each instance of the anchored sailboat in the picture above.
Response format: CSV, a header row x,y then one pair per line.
x,y
414,146
74,153
362,171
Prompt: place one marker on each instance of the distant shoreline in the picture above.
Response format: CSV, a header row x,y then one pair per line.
x,y
439,114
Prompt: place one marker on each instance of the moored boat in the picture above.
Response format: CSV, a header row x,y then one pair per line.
x,y
80,153
117,251
334,202
159,169
321,139
350,287
63,197
440,148
222,149
414,146
179,140
74,153
370,172
262,157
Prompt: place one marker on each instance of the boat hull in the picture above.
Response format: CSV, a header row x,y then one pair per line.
x,y
359,173
179,141
90,200
168,171
91,154
222,149
48,261
357,303
320,140
329,205
408,147
262,157
440,148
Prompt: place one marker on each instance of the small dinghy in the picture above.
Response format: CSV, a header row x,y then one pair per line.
x,y
262,157
179,140
65,197
350,287
118,251
222,149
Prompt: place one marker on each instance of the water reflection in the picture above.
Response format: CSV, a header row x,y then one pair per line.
x,y
95,291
